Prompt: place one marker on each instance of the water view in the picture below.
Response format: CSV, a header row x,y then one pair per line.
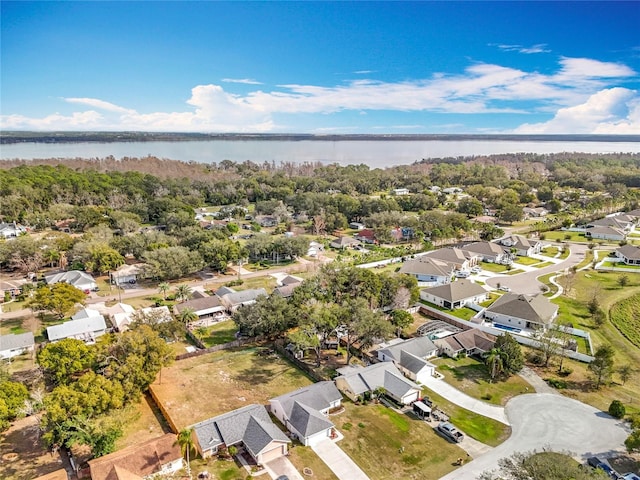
x,y
373,153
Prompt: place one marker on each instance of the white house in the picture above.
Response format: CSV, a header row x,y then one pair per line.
x,y
305,411
629,254
605,233
146,460
522,311
120,314
428,270
486,251
15,344
81,280
400,191
11,230
126,274
248,426
86,325
421,347
455,294
523,246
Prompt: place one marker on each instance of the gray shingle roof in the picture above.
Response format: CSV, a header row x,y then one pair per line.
x,y
630,251
250,425
454,255
199,304
318,396
411,362
307,420
73,277
396,385
17,340
367,379
427,266
73,328
484,248
456,291
532,308
419,346
239,298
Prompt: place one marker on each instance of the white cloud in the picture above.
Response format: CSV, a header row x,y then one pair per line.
x,y
481,89
609,111
246,81
537,48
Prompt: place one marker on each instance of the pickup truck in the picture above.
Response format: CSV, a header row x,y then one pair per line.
x,y
450,432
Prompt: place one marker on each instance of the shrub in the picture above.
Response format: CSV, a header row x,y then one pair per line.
x,y
616,409
361,425
347,426
557,383
487,397
535,357
565,372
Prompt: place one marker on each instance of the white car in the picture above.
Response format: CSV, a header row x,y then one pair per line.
x,y
462,274
476,270
504,289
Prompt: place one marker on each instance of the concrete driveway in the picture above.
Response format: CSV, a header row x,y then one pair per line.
x,y
339,462
282,466
553,422
527,282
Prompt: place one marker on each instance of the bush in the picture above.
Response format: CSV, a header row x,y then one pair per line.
x,y
487,397
535,357
361,425
347,426
557,383
565,372
616,409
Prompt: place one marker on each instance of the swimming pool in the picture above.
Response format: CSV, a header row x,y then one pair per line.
x,y
507,328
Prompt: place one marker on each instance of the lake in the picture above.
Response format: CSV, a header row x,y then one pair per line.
x,y
375,153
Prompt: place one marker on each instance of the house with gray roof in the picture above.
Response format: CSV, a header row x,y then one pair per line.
x,y
16,344
523,247
235,300
421,347
629,254
81,280
249,427
208,308
84,326
415,368
605,233
355,382
486,251
344,242
305,411
467,342
522,311
457,258
428,270
455,294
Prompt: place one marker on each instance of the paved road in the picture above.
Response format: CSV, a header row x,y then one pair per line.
x,y
547,421
339,462
527,282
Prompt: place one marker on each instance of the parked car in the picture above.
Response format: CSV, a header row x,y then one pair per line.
x,y
504,288
450,432
476,270
462,274
595,462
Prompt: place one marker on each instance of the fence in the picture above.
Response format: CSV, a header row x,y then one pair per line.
x,y
318,377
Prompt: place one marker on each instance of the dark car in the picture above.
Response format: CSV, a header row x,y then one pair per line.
x,y
282,477
595,462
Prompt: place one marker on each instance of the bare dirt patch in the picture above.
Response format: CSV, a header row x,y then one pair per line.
x,y
24,455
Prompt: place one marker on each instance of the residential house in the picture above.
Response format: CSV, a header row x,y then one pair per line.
x,y
81,280
249,427
455,257
455,294
314,249
120,315
16,344
344,242
267,221
126,274
629,254
535,212
450,190
14,287
522,311
421,347
11,230
305,411
522,246
60,474
145,460
366,236
467,342
415,368
356,226
400,191
486,251
86,325
605,233
624,222
235,300
356,382
428,270
288,280
209,309
402,234
286,291
157,314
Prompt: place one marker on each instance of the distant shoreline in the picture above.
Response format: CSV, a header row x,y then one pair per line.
x,y
8,137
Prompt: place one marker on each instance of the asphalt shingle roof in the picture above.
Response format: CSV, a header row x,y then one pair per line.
x,y
456,291
16,340
419,346
532,308
630,251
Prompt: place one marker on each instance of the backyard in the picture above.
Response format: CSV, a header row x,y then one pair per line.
x,y
471,376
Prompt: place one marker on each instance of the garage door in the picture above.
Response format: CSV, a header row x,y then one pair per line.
x,y
272,454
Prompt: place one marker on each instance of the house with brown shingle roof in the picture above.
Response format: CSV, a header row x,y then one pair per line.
x,y
455,294
522,311
468,342
161,455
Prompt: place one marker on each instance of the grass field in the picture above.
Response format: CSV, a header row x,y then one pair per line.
x,y
550,251
472,377
219,333
625,316
201,387
527,261
464,313
493,267
390,446
141,421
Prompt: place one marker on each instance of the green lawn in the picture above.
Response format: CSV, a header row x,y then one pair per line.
x,y
514,271
493,267
550,251
304,457
527,261
464,313
542,264
390,446
472,377
221,332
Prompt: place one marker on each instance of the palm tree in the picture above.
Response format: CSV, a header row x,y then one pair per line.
x,y
164,287
185,440
495,360
183,292
188,315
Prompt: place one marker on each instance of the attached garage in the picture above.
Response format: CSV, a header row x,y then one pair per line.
x,y
271,452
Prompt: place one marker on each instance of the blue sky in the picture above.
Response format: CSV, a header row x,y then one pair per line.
x,y
322,67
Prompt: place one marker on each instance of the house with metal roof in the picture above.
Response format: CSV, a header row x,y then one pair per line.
x,y
629,254
249,427
522,311
81,280
455,294
305,411
86,325
16,344
355,382
155,457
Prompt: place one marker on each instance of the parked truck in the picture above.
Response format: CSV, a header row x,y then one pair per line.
x,y
451,432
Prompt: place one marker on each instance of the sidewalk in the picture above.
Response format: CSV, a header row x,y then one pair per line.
x,y
463,400
339,462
